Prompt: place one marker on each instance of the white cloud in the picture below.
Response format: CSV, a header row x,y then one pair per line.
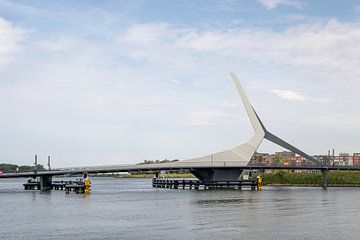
x,y
175,81
297,17
357,9
205,118
290,95
231,104
226,5
272,4
58,44
335,120
10,37
331,45
150,34
296,96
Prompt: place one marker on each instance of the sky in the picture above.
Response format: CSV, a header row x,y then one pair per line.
x,y
115,82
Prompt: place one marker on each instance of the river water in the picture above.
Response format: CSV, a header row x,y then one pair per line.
x,y
132,209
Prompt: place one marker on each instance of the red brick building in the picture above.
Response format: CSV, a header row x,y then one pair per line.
x,y
356,159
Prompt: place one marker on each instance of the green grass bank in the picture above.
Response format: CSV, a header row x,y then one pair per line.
x,y
336,178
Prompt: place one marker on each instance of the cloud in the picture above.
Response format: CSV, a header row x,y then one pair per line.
x,y
205,118
296,96
231,104
330,45
58,44
272,4
357,9
10,37
226,5
335,121
150,34
297,17
175,81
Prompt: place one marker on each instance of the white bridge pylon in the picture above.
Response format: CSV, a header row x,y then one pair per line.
x,y
242,154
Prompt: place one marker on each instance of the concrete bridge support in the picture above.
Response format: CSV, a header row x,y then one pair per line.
x,y
217,174
45,183
324,178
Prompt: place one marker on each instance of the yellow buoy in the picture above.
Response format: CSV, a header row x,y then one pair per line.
x,y
259,183
87,185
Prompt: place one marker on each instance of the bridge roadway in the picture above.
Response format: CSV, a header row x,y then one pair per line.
x,y
164,166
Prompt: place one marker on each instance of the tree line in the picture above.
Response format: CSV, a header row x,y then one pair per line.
x,y
13,168
157,161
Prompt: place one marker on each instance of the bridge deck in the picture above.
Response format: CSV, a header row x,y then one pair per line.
x,y
159,167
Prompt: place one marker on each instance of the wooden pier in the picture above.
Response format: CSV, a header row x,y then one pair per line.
x,y
77,188
60,185
204,185
67,185
32,185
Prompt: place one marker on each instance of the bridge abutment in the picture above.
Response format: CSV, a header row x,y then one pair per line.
x,y
217,174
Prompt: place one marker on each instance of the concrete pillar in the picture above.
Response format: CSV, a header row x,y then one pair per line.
x,y
45,183
324,178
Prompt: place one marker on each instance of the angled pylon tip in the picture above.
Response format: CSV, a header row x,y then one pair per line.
x,y
255,121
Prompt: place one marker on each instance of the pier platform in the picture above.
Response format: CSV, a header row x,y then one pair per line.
x,y
78,186
32,185
204,185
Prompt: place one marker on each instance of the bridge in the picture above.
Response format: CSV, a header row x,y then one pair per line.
x,y
46,176
222,166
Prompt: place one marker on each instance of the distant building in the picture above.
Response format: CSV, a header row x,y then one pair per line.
x,y
291,159
257,159
344,159
298,161
324,159
356,159
285,154
268,159
262,159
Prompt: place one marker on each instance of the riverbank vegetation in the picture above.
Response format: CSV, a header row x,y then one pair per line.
x,y
12,168
336,178
157,161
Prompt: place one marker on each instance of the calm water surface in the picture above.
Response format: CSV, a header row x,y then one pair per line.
x,y
132,209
